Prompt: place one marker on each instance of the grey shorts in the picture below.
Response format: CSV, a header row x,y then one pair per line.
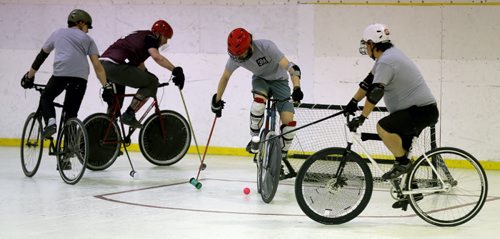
x,y
279,89
131,76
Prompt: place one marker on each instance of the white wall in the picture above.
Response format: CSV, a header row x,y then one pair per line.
x,y
456,47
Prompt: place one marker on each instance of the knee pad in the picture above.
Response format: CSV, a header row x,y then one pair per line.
x,y
257,115
287,139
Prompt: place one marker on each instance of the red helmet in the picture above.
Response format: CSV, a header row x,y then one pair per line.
x,y
162,27
238,42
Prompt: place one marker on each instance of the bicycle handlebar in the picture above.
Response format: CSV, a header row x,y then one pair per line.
x,y
279,100
364,136
39,87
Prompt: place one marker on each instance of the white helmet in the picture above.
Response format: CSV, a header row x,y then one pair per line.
x,y
376,33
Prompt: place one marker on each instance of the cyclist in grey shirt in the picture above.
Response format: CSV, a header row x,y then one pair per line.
x,y
271,70
396,78
72,45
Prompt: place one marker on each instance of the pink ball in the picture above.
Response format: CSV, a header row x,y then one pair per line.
x,y
246,191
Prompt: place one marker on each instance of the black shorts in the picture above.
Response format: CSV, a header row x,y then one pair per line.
x,y
408,123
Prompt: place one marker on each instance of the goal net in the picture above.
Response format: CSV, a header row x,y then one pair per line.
x,y
332,132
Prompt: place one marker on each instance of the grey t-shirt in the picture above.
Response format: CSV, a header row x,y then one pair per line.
x,y
264,63
404,84
72,48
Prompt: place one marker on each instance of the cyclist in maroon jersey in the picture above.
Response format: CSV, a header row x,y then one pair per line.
x,y
124,64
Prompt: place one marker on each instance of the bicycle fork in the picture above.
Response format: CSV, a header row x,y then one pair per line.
x,y
339,181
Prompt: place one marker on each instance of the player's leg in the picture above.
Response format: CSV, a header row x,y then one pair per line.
x,y
391,129
287,125
281,90
260,91
397,131
75,91
147,84
54,88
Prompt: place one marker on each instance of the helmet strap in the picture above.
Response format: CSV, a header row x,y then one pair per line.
x,y
372,49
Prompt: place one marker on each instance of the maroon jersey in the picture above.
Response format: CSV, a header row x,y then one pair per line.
x,y
132,49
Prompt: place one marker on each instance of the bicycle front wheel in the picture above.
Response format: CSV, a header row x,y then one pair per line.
x,y
165,142
104,141
270,168
330,194
453,193
72,151
31,145
258,157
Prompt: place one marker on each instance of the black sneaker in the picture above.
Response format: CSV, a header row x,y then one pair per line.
x,y
129,119
397,170
48,131
406,200
66,165
252,147
282,172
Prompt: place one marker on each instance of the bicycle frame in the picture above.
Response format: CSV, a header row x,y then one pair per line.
x,y
270,123
355,137
335,184
63,147
38,114
115,113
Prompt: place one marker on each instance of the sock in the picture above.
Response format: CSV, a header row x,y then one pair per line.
x,y
51,121
403,160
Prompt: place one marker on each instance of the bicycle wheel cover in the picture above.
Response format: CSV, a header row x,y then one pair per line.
x,y
104,141
165,149
465,179
270,171
330,200
31,145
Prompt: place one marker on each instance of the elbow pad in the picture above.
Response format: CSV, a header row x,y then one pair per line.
x,y
366,83
296,70
40,58
375,93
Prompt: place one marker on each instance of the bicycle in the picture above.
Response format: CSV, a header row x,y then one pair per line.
x,y
70,148
268,158
445,187
163,140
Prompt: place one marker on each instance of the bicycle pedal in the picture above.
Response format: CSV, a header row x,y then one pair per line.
x,y
404,206
405,201
287,176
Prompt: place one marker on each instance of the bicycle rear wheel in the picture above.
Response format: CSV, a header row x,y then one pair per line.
x,y
270,168
329,199
464,178
72,151
104,141
167,145
31,145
